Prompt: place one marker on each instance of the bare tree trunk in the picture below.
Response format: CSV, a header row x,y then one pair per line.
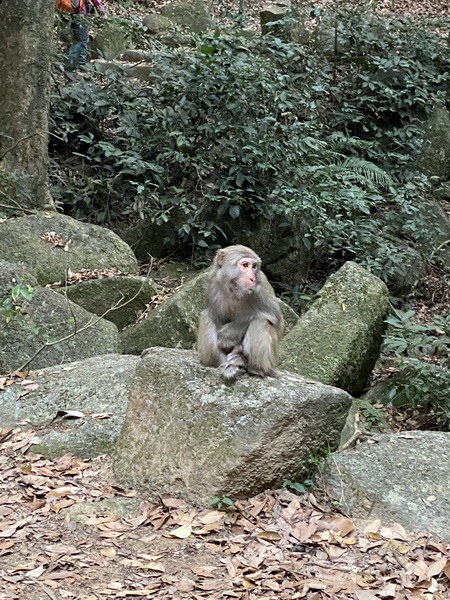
x,y
26,31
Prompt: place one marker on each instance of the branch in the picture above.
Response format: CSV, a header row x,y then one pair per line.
x,y
22,139
27,211
26,137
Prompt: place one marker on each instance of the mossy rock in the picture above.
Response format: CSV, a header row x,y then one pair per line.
x,y
337,341
192,15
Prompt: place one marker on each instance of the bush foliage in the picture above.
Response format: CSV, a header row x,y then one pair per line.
x,y
318,138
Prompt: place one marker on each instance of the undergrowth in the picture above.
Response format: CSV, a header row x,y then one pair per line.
x,y
318,139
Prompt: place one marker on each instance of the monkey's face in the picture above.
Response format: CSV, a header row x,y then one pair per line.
x,y
245,279
248,273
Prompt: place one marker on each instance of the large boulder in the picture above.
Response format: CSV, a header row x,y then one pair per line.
x,y
79,407
156,23
110,41
398,477
192,15
274,20
29,322
174,323
187,433
126,296
50,245
337,340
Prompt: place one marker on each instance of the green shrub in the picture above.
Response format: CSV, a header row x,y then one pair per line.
x,y
237,127
423,354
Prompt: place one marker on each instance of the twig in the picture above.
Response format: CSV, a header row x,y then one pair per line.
x,y
436,250
77,331
27,211
44,588
26,137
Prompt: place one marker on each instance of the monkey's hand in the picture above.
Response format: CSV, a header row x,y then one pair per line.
x,y
235,365
231,335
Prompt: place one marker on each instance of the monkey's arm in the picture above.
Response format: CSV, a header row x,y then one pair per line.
x,y
231,334
210,353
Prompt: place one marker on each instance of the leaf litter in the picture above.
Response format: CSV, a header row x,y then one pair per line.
x,y
274,546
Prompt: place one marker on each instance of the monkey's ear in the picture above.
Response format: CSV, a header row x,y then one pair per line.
x,y
220,258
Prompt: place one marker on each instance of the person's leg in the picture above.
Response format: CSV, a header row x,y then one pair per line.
x,y
77,53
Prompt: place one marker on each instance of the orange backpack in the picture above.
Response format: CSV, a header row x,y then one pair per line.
x,y
72,6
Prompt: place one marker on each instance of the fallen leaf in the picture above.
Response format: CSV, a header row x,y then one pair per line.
x,y
108,552
272,536
181,532
35,573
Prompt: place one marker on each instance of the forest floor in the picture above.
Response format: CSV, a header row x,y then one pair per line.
x,y
67,532
61,537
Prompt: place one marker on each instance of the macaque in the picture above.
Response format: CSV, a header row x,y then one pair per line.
x,y
240,330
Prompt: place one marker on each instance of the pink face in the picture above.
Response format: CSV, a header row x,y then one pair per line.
x,y
248,268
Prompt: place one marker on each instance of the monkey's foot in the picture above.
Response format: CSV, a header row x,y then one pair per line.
x,y
263,372
234,366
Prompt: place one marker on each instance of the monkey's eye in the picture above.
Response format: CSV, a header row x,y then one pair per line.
x,y
245,265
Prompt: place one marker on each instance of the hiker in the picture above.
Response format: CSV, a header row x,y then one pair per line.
x,y
77,53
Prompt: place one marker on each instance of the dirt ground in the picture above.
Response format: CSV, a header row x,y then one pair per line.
x,y
66,532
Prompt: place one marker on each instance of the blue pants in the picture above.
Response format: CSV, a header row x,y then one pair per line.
x,y
78,52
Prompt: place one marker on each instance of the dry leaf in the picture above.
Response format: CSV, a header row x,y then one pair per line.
x,y
181,532
35,573
108,552
272,536
204,571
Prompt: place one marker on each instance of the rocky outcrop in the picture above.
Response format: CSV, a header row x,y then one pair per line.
x,y
50,245
402,477
79,407
119,299
337,340
188,433
37,322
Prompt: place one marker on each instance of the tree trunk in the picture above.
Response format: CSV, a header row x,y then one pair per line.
x,y
26,31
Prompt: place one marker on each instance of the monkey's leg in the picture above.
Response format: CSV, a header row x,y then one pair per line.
x,y
207,343
260,347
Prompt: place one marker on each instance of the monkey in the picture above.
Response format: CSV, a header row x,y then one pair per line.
x,y
241,327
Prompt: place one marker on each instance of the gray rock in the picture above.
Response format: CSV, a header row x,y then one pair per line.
x,y
47,317
135,56
192,15
82,511
270,17
144,71
187,433
435,158
337,340
156,23
402,477
173,324
95,386
88,247
130,294
110,41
